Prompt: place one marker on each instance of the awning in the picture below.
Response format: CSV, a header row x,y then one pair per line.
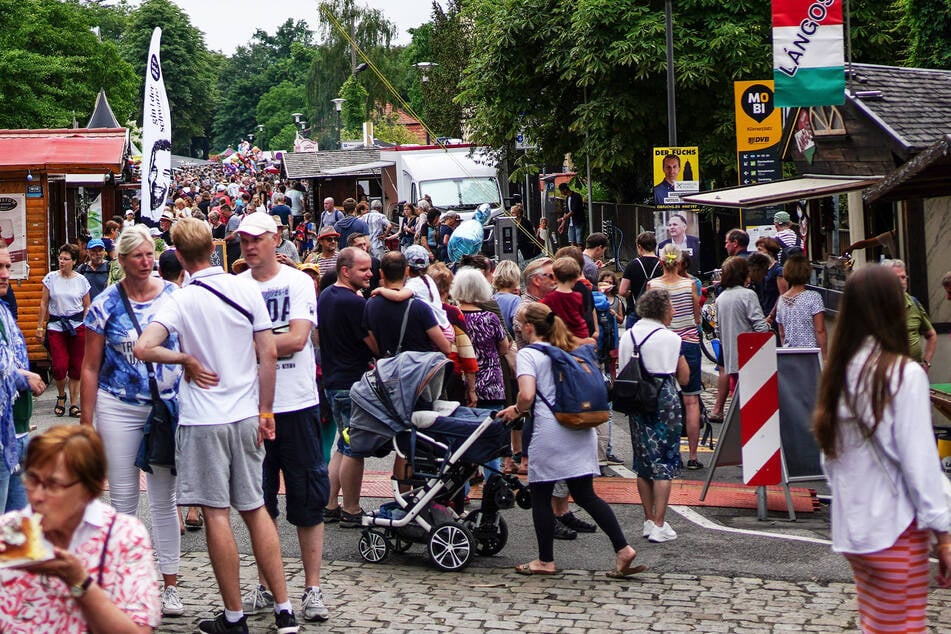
x,y
783,191
73,151
927,175
360,167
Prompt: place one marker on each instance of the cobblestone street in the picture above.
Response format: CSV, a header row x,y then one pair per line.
x,y
398,597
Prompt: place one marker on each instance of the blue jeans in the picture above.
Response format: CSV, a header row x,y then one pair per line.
x,y
575,234
340,408
16,494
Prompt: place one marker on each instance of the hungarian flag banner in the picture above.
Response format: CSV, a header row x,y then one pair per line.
x,y
808,53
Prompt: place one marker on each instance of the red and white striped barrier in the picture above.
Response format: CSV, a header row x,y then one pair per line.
x,y
759,409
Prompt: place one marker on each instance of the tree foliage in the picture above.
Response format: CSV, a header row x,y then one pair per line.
x,y
274,113
334,61
186,64
588,77
252,71
354,111
928,25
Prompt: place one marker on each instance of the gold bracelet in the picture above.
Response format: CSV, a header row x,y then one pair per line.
x,y
266,415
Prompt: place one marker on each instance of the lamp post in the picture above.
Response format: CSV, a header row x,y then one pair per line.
x,y
338,106
424,79
671,91
298,119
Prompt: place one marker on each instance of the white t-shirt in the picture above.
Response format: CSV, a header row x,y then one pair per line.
x,y
66,297
290,295
425,289
294,198
222,340
661,352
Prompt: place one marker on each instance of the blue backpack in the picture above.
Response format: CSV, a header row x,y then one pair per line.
x,y
581,398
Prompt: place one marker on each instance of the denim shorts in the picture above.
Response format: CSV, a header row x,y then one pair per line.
x,y
575,234
691,352
340,408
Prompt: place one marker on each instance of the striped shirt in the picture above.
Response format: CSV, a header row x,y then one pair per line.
x,y
681,297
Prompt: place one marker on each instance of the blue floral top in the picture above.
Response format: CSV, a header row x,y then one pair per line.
x,y
121,374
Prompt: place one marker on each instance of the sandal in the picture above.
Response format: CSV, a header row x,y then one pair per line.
x,y
74,411
60,408
194,524
526,569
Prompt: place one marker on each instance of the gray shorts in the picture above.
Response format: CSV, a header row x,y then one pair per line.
x,y
220,466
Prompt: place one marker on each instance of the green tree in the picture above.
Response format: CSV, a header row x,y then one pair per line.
x,y
354,112
588,78
284,140
928,25
52,66
336,60
186,64
253,70
274,113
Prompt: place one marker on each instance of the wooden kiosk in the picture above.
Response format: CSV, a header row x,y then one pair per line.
x,y
41,174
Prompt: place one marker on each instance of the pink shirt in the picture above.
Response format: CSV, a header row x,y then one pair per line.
x,y
31,603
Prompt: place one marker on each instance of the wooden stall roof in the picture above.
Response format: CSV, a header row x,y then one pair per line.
x,y
75,151
925,176
313,164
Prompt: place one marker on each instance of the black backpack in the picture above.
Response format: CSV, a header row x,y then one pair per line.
x,y
635,389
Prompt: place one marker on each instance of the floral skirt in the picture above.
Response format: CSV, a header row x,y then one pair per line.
x,y
655,436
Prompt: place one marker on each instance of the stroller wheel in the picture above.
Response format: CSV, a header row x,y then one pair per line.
x,y
451,546
524,498
374,546
490,538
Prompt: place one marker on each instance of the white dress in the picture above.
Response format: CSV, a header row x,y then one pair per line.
x,y
555,452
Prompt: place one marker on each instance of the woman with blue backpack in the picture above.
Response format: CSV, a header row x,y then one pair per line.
x,y
558,452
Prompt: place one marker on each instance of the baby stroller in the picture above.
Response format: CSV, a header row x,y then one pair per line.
x,y
396,407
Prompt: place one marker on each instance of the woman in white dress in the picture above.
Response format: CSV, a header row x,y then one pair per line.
x,y
557,452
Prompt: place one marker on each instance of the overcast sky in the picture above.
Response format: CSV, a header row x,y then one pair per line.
x,y
228,24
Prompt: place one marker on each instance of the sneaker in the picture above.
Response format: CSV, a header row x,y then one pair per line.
x,y
649,527
351,520
612,459
312,605
257,600
694,464
286,623
563,532
221,625
576,523
663,533
331,516
171,604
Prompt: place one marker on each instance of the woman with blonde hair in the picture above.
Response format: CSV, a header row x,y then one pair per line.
x,y
685,300
873,424
557,452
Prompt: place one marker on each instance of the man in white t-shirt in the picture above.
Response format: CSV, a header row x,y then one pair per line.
x,y
296,449
225,413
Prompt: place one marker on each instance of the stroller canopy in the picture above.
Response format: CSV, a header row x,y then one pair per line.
x,y
385,397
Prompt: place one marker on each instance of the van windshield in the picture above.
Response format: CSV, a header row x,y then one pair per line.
x,y
457,193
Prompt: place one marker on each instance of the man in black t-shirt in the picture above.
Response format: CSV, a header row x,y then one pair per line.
x,y
346,349
384,318
644,267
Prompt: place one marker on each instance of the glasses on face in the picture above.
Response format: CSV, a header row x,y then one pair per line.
x,y
32,482
329,239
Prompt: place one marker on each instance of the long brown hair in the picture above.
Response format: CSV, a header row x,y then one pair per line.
x,y
549,326
873,306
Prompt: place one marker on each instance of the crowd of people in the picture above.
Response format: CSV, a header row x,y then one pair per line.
x,y
313,298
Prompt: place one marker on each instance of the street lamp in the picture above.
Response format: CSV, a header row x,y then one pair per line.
x,y
338,106
298,116
424,79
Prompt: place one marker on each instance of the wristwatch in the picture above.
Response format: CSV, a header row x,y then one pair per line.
x,y
79,590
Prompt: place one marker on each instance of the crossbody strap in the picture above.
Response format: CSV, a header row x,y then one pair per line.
x,y
225,299
399,344
105,548
153,385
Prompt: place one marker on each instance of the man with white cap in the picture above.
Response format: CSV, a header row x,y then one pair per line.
x,y
296,447
129,219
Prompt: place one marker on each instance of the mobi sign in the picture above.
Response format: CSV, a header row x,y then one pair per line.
x,y
759,122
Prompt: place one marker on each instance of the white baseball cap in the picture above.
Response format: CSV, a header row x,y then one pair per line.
x,y
257,223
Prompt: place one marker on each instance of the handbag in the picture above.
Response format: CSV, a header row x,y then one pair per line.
x,y
635,389
158,439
